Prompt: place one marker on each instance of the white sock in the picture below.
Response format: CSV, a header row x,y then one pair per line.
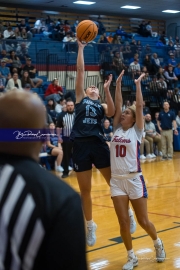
x,y
89,223
130,212
131,253
157,242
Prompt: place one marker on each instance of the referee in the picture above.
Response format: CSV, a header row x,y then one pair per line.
x,y
66,121
41,219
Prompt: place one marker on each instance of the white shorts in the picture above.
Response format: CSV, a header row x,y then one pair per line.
x,y
131,185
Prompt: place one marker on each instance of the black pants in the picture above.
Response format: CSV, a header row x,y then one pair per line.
x,y
67,152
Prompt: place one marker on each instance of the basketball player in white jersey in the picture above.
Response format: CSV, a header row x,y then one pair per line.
x,y
127,182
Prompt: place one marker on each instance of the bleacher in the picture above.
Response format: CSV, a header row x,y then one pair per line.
x,y
52,59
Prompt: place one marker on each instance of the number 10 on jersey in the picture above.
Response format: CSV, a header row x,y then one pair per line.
x,y
120,150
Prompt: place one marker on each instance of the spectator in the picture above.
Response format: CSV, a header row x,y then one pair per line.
x,y
142,29
170,48
134,66
120,32
144,144
51,110
54,91
165,121
66,40
171,77
102,40
26,81
22,51
58,32
172,60
48,118
163,38
149,29
155,122
14,82
1,27
126,105
108,130
65,122
32,73
155,63
2,85
15,62
147,63
4,72
23,25
48,20
117,65
5,56
54,147
146,110
26,35
110,38
38,26
17,33
147,50
9,34
74,26
160,43
177,71
116,40
60,105
101,27
178,119
177,49
152,136
139,47
66,27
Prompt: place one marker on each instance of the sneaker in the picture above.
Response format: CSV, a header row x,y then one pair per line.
x,y
164,158
70,168
132,224
131,263
160,252
64,175
148,156
169,157
142,157
153,155
59,169
160,154
91,235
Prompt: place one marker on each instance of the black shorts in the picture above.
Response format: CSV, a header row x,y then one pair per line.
x,y
88,151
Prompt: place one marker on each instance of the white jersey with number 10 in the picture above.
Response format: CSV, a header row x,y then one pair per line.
x,y
125,151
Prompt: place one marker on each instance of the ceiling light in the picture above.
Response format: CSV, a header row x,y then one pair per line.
x,y
171,11
130,7
84,2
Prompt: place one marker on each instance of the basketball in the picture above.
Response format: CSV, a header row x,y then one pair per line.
x,y
86,31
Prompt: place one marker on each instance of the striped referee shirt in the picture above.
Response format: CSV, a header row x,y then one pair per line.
x,y
66,121
38,212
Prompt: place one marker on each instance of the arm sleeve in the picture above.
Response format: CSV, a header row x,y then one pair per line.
x,y
66,245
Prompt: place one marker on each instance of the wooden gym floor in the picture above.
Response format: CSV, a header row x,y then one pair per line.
x,y
163,183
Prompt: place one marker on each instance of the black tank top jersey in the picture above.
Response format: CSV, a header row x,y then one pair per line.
x,y
88,117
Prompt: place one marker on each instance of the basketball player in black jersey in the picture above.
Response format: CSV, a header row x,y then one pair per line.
x,y
89,143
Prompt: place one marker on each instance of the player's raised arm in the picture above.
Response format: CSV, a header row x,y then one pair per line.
x,y
139,103
80,94
109,106
118,101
